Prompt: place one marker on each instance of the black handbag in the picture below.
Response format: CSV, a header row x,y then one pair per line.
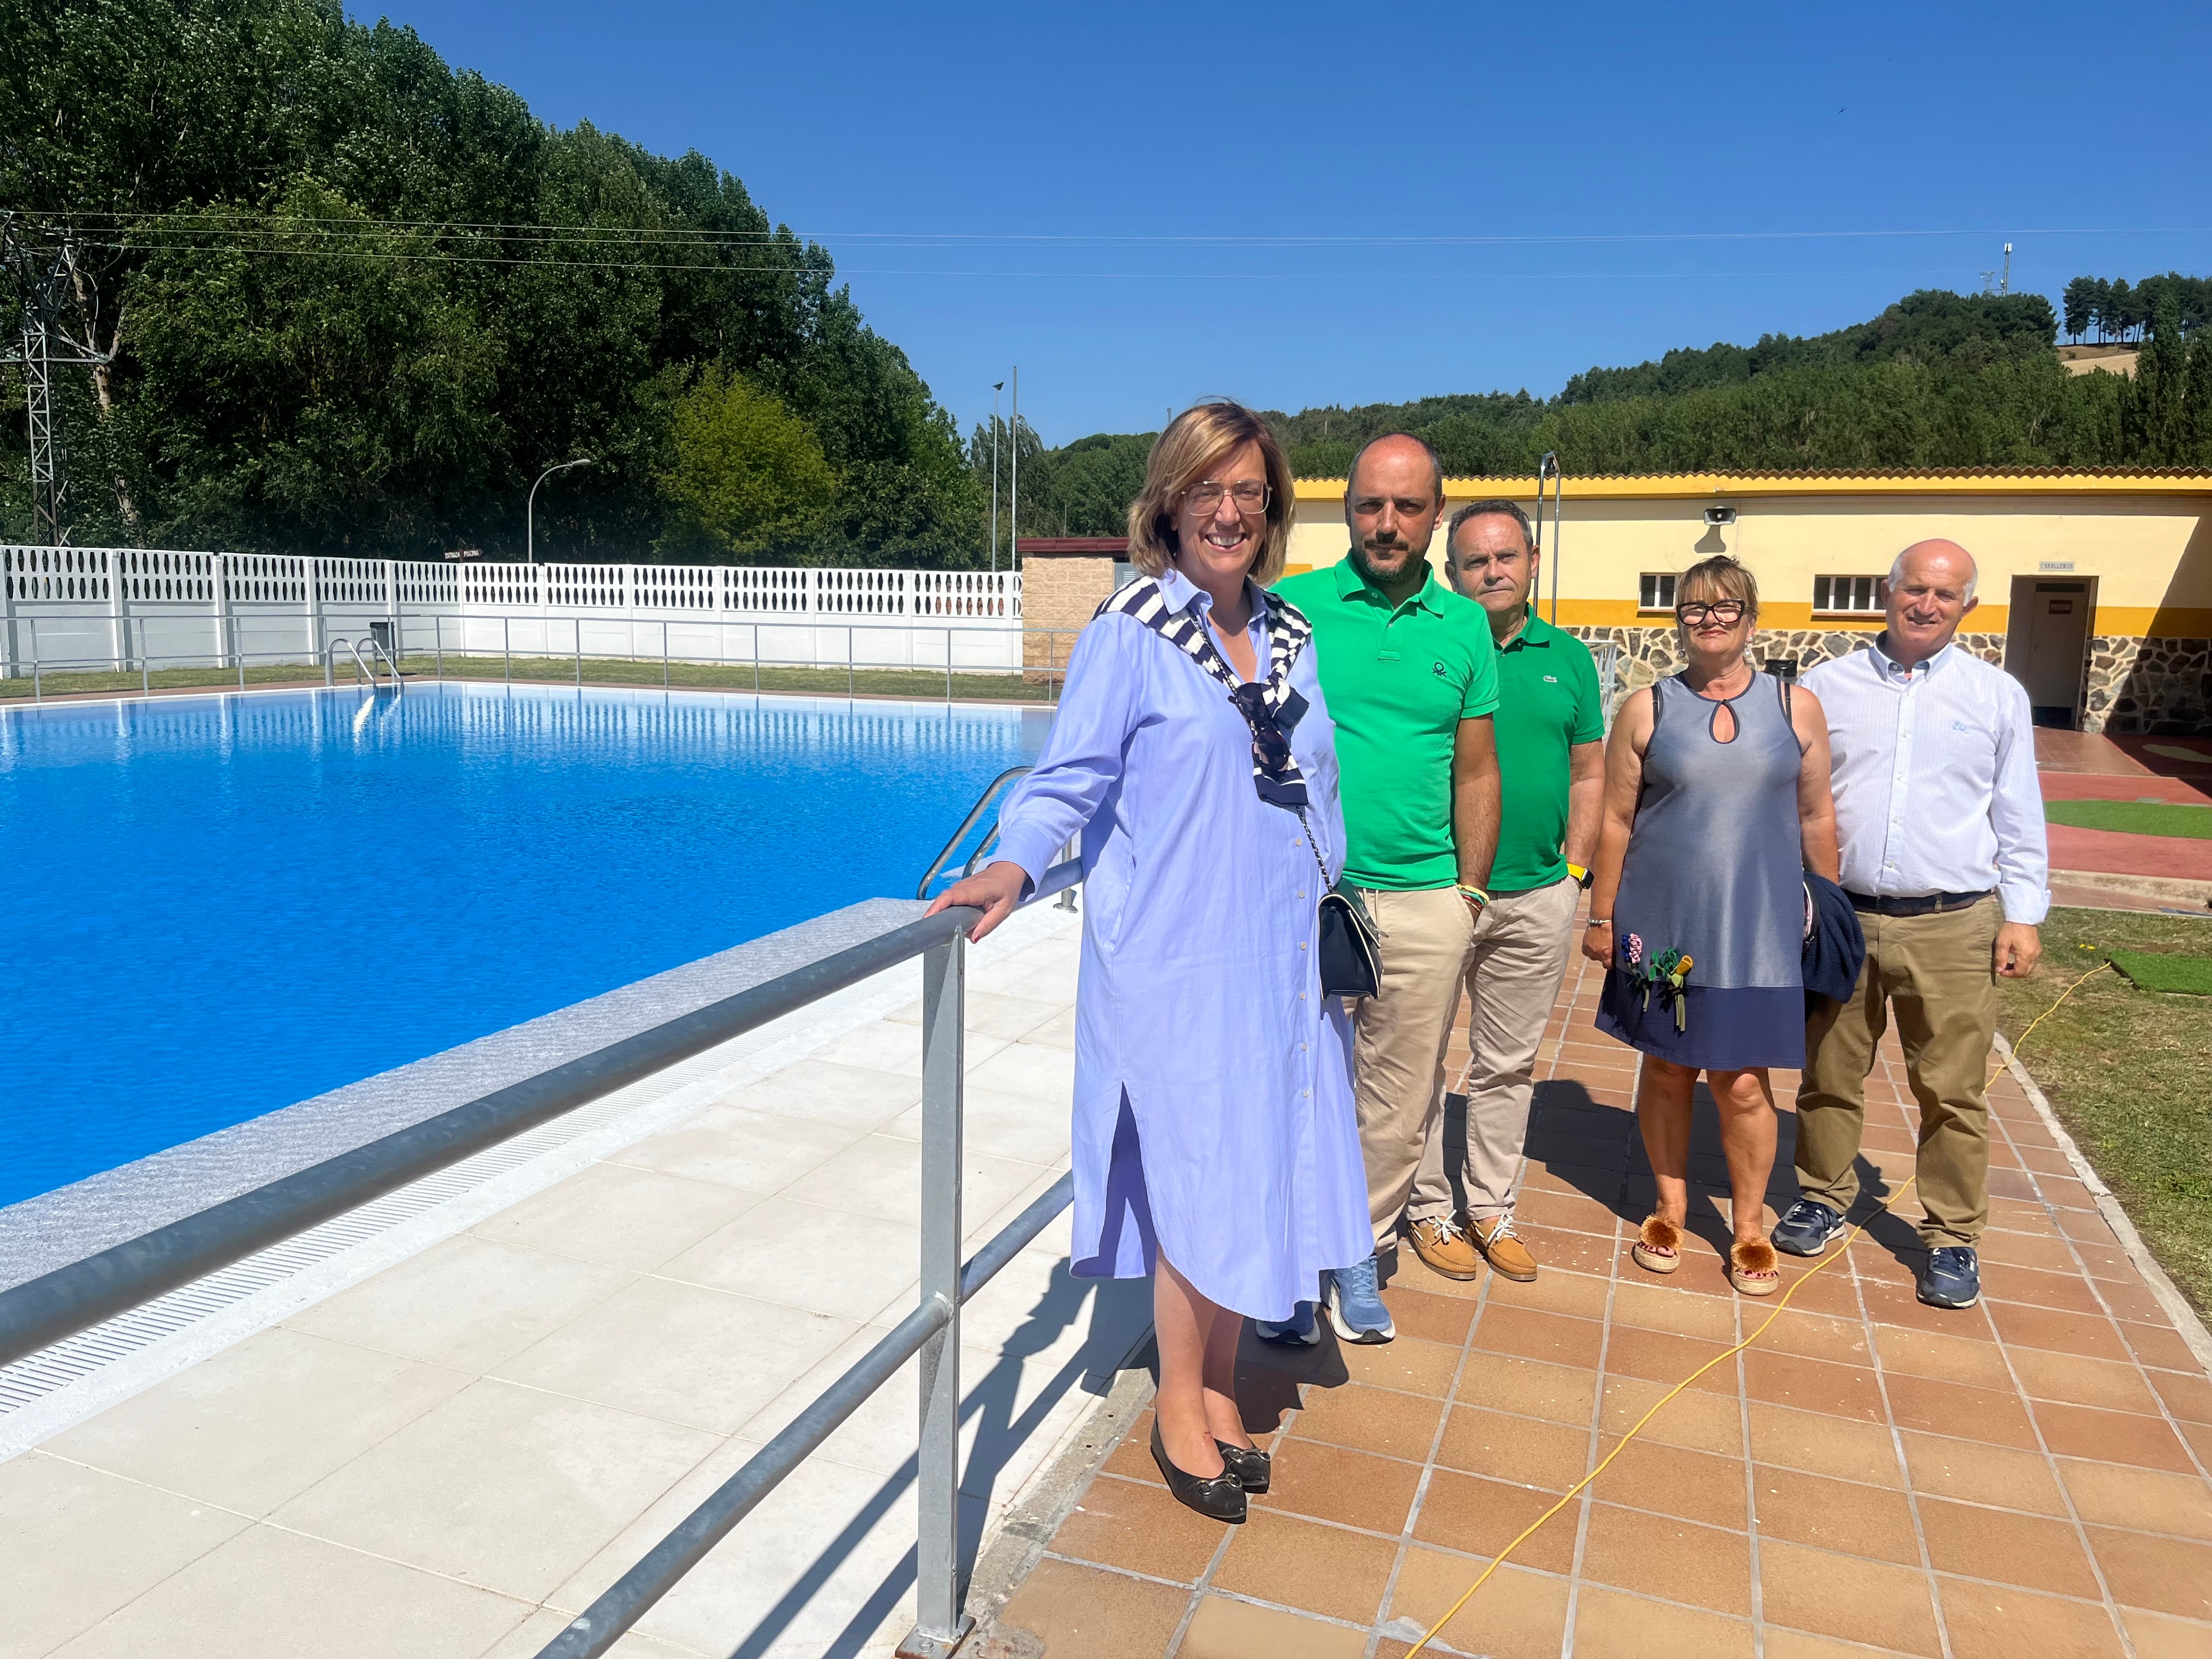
x,y
1350,949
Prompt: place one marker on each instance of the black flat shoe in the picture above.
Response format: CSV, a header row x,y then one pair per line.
x,y
1218,1497
1249,1464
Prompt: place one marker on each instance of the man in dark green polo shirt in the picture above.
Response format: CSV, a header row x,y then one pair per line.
x,y
1550,752
1409,674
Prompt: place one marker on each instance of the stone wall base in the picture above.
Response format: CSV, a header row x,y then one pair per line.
x,y
2151,686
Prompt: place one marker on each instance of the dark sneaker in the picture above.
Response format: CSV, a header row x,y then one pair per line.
x,y
1808,1229
1300,1330
1952,1278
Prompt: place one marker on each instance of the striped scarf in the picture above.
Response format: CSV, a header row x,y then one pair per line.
x,y
1271,708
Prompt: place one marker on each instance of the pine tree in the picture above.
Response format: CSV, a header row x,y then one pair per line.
x,y
2153,431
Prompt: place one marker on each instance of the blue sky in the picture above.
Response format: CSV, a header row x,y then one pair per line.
x,y
1141,204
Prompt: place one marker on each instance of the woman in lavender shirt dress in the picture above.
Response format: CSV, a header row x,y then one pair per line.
x,y
1214,1139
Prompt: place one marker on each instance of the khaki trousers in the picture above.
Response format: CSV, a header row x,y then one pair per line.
x,y
1398,1047
1512,974
1934,971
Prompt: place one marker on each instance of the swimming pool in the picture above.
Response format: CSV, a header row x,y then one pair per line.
x,y
219,906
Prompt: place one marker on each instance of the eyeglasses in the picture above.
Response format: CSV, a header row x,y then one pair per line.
x,y
1205,497
1727,612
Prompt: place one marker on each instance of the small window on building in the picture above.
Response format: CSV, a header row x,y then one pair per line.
x,y
1848,596
1656,591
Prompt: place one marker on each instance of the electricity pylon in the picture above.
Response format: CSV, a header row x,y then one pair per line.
x,y
44,282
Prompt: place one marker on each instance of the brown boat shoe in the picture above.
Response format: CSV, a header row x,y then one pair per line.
x,y
1443,1248
1502,1247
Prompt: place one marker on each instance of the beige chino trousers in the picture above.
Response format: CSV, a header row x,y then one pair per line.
x,y
1934,971
1512,974
1399,1035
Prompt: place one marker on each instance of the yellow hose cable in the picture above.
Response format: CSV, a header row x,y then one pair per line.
x,y
1664,1400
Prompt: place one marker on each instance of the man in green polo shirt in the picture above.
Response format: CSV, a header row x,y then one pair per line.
x,y
1410,676
1550,751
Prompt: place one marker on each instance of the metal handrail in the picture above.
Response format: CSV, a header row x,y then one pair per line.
x,y
990,791
44,1310
362,668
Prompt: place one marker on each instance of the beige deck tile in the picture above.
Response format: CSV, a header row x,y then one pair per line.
x,y
822,1091
269,1593
467,1303
680,1352
262,1422
805,1256
881,1176
1607,1622
102,1541
1223,1629
505,1486
1480,1517
620,1215
1028,1129
826,1551
1028,1068
993,1014
884,1045
528,1639
1558,1394
756,1152
1330,1483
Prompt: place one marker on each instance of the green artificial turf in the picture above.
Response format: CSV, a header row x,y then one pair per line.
x,y
2191,975
2129,1072
2133,817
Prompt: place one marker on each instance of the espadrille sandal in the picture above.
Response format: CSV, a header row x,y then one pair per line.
x,y
1658,1247
1753,1268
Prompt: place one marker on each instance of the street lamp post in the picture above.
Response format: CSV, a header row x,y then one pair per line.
x,y
1014,480
996,386
530,507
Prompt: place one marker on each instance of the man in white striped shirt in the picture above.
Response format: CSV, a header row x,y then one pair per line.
x,y
1940,821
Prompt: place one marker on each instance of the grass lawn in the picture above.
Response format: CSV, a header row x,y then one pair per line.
x,y
2130,1073
2134,817
920,683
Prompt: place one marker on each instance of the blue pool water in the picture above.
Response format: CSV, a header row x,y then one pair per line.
x,y
219,906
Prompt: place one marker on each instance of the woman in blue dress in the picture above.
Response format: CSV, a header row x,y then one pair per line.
x,y
1716,802
1215,1145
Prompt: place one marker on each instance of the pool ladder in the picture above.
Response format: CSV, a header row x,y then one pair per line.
x,y
365,666
978,859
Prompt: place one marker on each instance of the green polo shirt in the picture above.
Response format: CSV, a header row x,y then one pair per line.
x,y
1547,702
1398,681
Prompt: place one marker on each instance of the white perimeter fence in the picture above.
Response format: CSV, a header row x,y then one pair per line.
x,y
139,608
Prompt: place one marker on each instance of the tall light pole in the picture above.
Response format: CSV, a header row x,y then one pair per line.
x,y
529,509
1014,482
995,387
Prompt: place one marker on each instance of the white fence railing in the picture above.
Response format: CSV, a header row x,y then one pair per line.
x,y
131,605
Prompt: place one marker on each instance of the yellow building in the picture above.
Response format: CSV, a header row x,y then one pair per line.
x,y
2095,587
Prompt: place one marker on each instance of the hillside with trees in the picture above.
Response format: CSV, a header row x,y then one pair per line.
x,y
356,300
1937,379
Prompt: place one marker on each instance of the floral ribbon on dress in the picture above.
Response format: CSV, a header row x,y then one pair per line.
x,y
1664,973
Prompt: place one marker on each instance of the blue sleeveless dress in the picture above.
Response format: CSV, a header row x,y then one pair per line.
x,y
1715,871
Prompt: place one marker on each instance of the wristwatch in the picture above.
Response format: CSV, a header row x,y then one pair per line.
x,y
1582,875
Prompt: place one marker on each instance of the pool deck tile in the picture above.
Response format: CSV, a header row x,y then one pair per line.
x,y
454,1454
1875,1477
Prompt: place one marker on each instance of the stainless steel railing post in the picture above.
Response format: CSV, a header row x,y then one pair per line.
x,y
939,1624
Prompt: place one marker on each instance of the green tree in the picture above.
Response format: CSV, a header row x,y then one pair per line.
x,y
744,473
2154,418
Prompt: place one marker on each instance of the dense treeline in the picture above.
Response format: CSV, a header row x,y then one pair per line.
x,y
2113,311
356,300
1937,379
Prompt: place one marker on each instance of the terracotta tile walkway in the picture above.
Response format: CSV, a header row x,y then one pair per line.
x,y
2027,1478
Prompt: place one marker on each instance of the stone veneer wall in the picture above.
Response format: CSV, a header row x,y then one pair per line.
x,y
1060,592
2161,687
2156,686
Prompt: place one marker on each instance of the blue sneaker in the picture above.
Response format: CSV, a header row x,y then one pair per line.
x,y
1355,1304
1952,1278
1300,1330
1808,1229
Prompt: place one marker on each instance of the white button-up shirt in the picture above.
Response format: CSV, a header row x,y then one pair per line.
x,y
1935,779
